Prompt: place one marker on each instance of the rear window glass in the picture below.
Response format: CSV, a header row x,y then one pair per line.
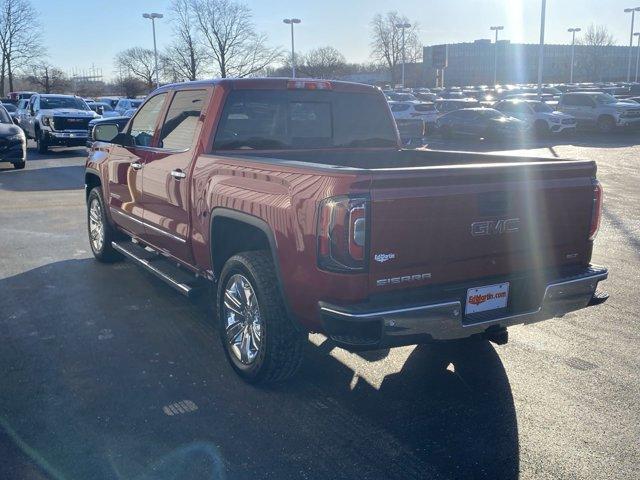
x,y
282,119
425,108
400,107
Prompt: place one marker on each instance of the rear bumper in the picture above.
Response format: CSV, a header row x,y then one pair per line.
x,y
357,326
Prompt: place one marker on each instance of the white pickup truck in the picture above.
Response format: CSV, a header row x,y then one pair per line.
x,y
602,110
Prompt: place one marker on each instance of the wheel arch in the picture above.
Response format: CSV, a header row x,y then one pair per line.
x,y
232,232
91,181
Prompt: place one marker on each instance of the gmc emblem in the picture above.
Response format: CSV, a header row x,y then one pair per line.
x,y
495,227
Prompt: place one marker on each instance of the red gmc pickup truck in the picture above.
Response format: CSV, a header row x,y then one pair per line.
x,y
295,200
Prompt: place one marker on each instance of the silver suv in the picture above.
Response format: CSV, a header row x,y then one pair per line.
x,y
600,109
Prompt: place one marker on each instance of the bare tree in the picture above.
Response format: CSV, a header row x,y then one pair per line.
x,y
129,86
323,62
138,62
20,38
386,41
592,55
230,38
48,78
184,58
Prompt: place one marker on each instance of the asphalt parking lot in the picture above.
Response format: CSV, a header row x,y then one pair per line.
x,y
110,374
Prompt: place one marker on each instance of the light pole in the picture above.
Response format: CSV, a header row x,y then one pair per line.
x,y
541,48
633,15
637,34
403,26
495,52
573,49
292,21
153,17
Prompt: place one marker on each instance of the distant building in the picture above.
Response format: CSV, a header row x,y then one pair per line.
x,y
473,63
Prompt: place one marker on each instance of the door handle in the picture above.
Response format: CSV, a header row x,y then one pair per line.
x,y
178,174
136,165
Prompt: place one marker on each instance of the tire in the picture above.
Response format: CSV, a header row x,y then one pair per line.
x,y
606,124
541,128
19,165
278,343
98,222
41,143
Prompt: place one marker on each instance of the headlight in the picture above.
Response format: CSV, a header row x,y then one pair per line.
x,y
16,137
46,121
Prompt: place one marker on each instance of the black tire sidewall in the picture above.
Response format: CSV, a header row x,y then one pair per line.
x,y
41,143
250,373
107,254
606,124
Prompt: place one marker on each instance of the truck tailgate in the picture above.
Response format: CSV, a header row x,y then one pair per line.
x,y
435,225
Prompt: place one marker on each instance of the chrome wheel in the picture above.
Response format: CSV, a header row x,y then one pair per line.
x,y
243,324
96,227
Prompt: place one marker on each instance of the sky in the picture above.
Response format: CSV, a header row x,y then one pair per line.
x,y
80,34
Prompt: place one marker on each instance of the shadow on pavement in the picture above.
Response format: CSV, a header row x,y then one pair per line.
x,y
49,178
110,374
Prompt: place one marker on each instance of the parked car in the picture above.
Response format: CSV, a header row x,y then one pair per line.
x,y
57,120
121,122
103,109
424,112
25,95
538,115
401,97
250,193
112,101
21,111
600,110
125,104
425,96
13,144
482,123
11,110
450,105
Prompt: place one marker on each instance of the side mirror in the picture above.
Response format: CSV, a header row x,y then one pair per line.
x,y
15,120
106,132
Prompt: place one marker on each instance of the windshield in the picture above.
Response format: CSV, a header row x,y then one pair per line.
x,y
542,108
48,103
605,98
4,116
9,107
275,119
136,103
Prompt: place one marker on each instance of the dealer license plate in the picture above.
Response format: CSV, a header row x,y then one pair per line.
x,y
490,297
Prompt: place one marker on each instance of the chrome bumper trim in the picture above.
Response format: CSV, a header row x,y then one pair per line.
x,y
444,321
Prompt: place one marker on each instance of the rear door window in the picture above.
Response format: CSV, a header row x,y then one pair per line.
x,y
182,119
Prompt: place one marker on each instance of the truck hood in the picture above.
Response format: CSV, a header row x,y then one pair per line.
x,y
69,112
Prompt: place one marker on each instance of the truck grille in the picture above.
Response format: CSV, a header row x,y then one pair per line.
x,y
70,123
631,114
569,121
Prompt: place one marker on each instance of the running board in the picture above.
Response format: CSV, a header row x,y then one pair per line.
x,y
178,278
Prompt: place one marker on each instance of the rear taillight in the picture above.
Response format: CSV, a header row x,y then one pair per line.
x,y
342,234
596,213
